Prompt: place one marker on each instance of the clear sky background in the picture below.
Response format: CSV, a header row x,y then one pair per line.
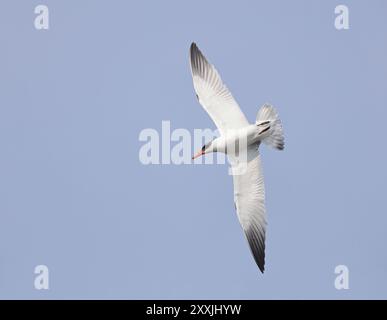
x,y
75,197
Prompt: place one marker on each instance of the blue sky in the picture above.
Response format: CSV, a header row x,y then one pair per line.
x,y
75,197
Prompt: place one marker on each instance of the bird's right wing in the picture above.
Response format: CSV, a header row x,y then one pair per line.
x,y
213,95
249,197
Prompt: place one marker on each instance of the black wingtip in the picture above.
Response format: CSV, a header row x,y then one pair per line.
x,y
193,48
257,246
198,61
260,264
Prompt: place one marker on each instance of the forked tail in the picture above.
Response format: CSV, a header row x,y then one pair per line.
x,y
270,123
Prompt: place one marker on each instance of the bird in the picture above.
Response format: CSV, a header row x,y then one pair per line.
x,y
244,158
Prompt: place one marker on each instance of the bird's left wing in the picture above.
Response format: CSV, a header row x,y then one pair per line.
x,y
213,95
249,197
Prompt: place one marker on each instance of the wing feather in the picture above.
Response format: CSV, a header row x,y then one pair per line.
x,y
249,197
213,95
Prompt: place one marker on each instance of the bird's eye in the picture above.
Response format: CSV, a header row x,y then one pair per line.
x,y
204,148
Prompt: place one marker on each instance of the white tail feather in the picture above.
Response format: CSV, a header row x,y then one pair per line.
x,y
275,136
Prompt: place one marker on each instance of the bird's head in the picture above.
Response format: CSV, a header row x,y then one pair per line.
x,y
207,148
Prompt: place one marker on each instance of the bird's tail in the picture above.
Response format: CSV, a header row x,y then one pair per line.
x,y
271,127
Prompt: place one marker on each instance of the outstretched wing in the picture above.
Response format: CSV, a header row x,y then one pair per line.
x,y
213,95
249,197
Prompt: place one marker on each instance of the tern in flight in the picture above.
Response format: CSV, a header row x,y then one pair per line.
x,y
249,192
